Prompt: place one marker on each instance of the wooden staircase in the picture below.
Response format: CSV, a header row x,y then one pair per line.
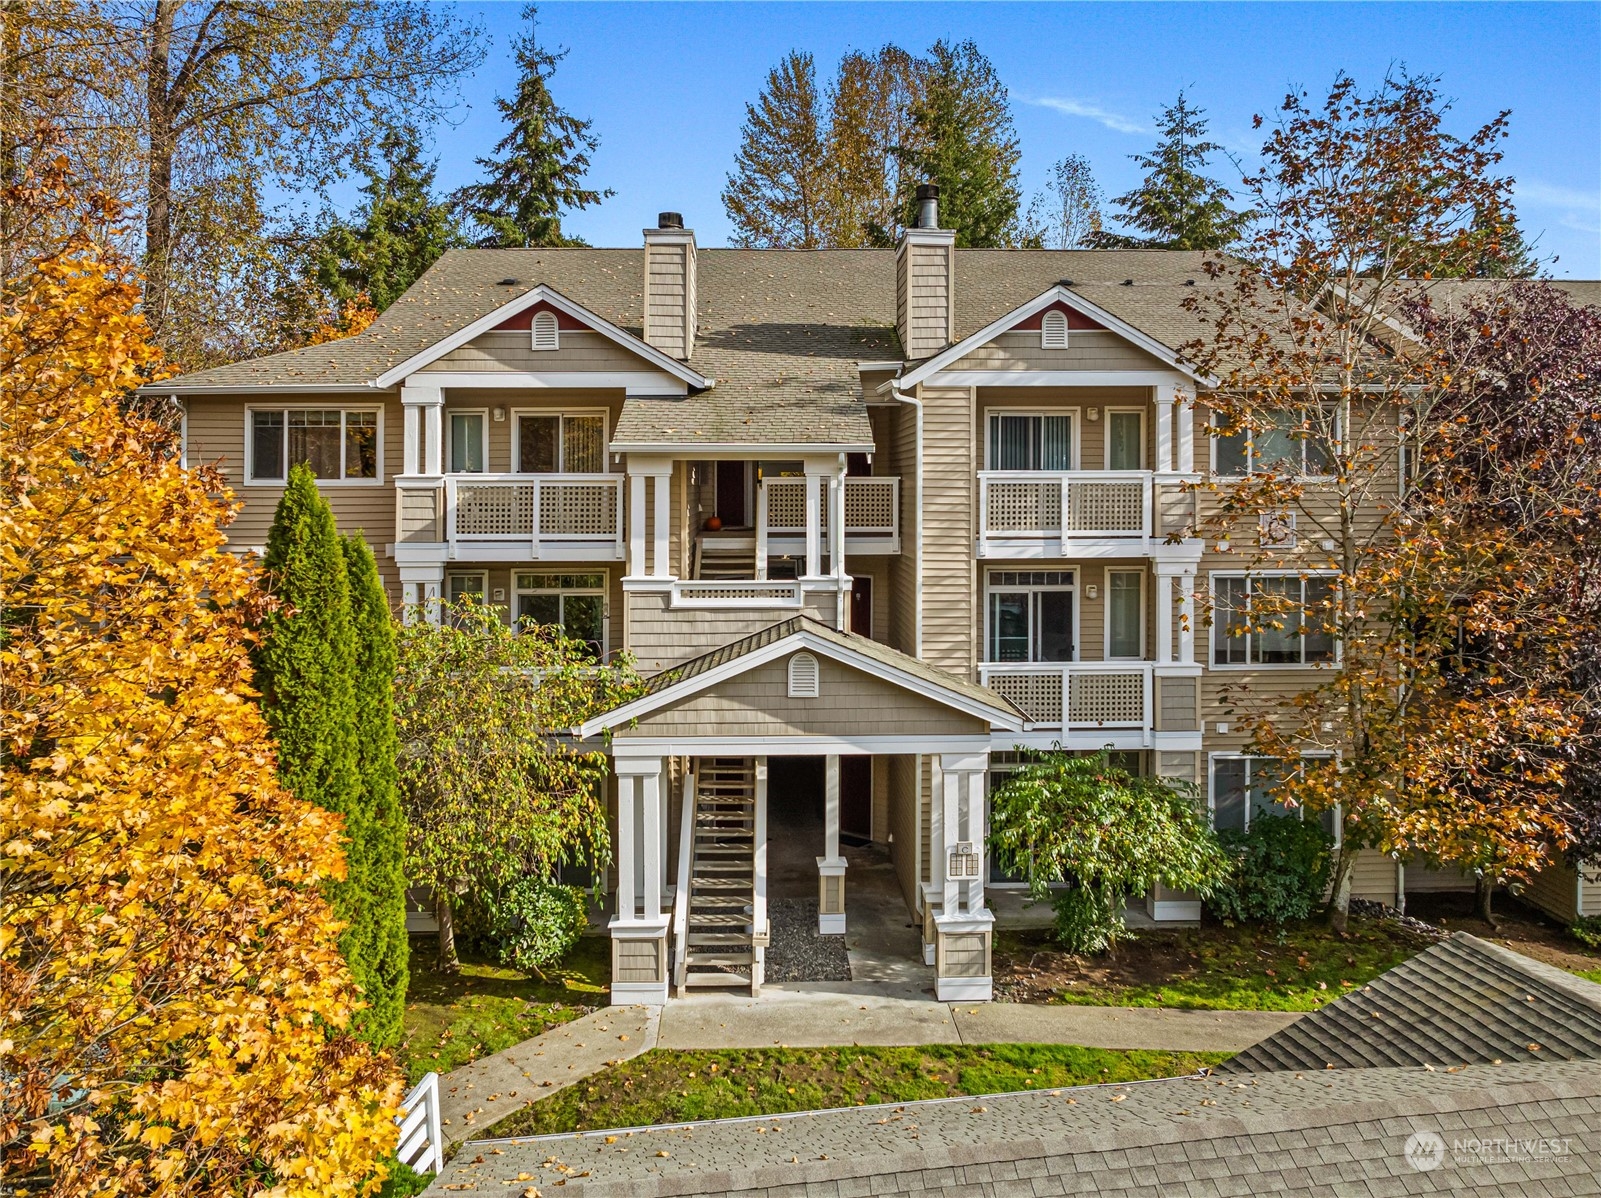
x,y
717,914
729,559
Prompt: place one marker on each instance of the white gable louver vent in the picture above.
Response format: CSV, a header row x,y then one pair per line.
x,y
1053,331
803,682
545,334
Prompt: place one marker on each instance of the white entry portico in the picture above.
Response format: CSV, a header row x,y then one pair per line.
x,y
691,909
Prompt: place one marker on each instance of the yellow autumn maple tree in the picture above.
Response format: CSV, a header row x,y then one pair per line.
x,y
173,1006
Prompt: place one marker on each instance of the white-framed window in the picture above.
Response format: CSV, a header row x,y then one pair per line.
x,y
1125,615
464,584
546,332
804,676
1053,330
1030,615
1031,440
1241,786
469,440
341,445
1272,619
559,442
575,603
1125,438
1280,446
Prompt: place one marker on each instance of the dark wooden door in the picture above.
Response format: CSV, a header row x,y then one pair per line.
x,y
731,495
856,797
862,607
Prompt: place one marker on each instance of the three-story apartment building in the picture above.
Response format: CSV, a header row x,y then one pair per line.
x,y
868,520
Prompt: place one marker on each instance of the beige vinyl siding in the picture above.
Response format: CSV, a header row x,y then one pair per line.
x,y
879,831
418,518
850,702
1373,877
511,400
216,437
877,570
1555,890
950,509
899,451
923,274
666,267
1176,709
512,350
1422,879
903,772
1087,349
661,637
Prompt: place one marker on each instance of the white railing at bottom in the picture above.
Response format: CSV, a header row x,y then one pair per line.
x,y
686,849
421,1145
1078,694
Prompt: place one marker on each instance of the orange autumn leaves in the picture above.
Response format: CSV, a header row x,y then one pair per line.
x,y
173,1005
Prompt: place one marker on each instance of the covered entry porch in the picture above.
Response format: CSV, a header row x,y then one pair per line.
x,y
703,757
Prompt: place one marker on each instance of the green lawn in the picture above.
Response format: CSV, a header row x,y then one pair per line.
x,y
1213,967
454,1019
668,1087
1593,975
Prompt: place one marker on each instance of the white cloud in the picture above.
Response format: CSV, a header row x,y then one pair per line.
x,y
1547,195
1113,121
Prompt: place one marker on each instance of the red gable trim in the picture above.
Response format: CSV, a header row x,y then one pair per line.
x,y
1075,319
524,320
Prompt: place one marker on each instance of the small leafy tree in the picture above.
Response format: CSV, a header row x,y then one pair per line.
x,y
493,787
1280,870
1078,818
778,192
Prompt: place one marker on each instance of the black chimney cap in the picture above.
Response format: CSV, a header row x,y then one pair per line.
x,y
508,282
928,191
669,220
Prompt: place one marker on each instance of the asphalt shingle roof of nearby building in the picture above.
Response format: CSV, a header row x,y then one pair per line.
x,y
1462,1002
1341,1132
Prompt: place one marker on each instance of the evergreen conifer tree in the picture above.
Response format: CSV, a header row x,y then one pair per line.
x,y
305,669
1177,207
395,235
383,849
541,163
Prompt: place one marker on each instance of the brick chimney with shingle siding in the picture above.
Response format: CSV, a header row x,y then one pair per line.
x,y
670,286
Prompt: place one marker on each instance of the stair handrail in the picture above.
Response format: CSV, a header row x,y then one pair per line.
x,y
686,847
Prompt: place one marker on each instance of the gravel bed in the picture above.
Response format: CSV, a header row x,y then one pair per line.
x,y
796,952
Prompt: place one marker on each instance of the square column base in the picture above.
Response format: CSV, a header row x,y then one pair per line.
x,y
962,969
831,896
639,962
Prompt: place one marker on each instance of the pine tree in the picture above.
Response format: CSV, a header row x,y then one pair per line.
x,y
965,142
1177,207
383,849
776,195
305,669
542,161
395,235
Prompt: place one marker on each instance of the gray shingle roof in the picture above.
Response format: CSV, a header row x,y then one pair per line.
x,y
1462,1002
1286,1133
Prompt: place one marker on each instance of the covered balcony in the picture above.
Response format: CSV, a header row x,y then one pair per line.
x,y
1066,513
515,517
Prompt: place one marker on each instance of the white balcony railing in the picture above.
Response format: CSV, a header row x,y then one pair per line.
x,y
534,509
1073,695
1049,505
872,506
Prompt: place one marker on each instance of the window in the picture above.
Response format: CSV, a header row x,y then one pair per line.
x,y
1243,788
546,334
469,443
1031,441
1125,614
1280,446
1053,330
1271,620
803,677
465,586
338,444
1030,616
1005,870
561,443
575,603
1125,439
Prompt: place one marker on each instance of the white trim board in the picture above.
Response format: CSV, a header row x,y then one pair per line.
x,y
547,295
630,382
1055,295
800,746
742,450
1054,378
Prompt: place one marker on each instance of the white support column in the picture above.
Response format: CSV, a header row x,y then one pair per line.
x,y
660,566
761,530
652,842
627,809
1186,585
836,520
1164,618
831,866
759,887
1184,414
1164,393
435,441
973,824
950,818
814,523
411,458
636,525
639,929
963,928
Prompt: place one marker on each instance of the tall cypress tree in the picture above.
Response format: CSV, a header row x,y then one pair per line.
x,y
383,850
541,163
305,669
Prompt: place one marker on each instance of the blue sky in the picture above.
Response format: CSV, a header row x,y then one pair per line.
x,y
666,85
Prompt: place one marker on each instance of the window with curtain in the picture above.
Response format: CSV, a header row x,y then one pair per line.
x,y
1244,787
561,443
1280,446
467,443
1030,616
1031,441
1125,440
1271,620
1125,614
336,443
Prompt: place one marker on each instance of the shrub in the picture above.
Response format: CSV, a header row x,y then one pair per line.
x,y
534,922
1280,870
1085,922
1587,931
404,1181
